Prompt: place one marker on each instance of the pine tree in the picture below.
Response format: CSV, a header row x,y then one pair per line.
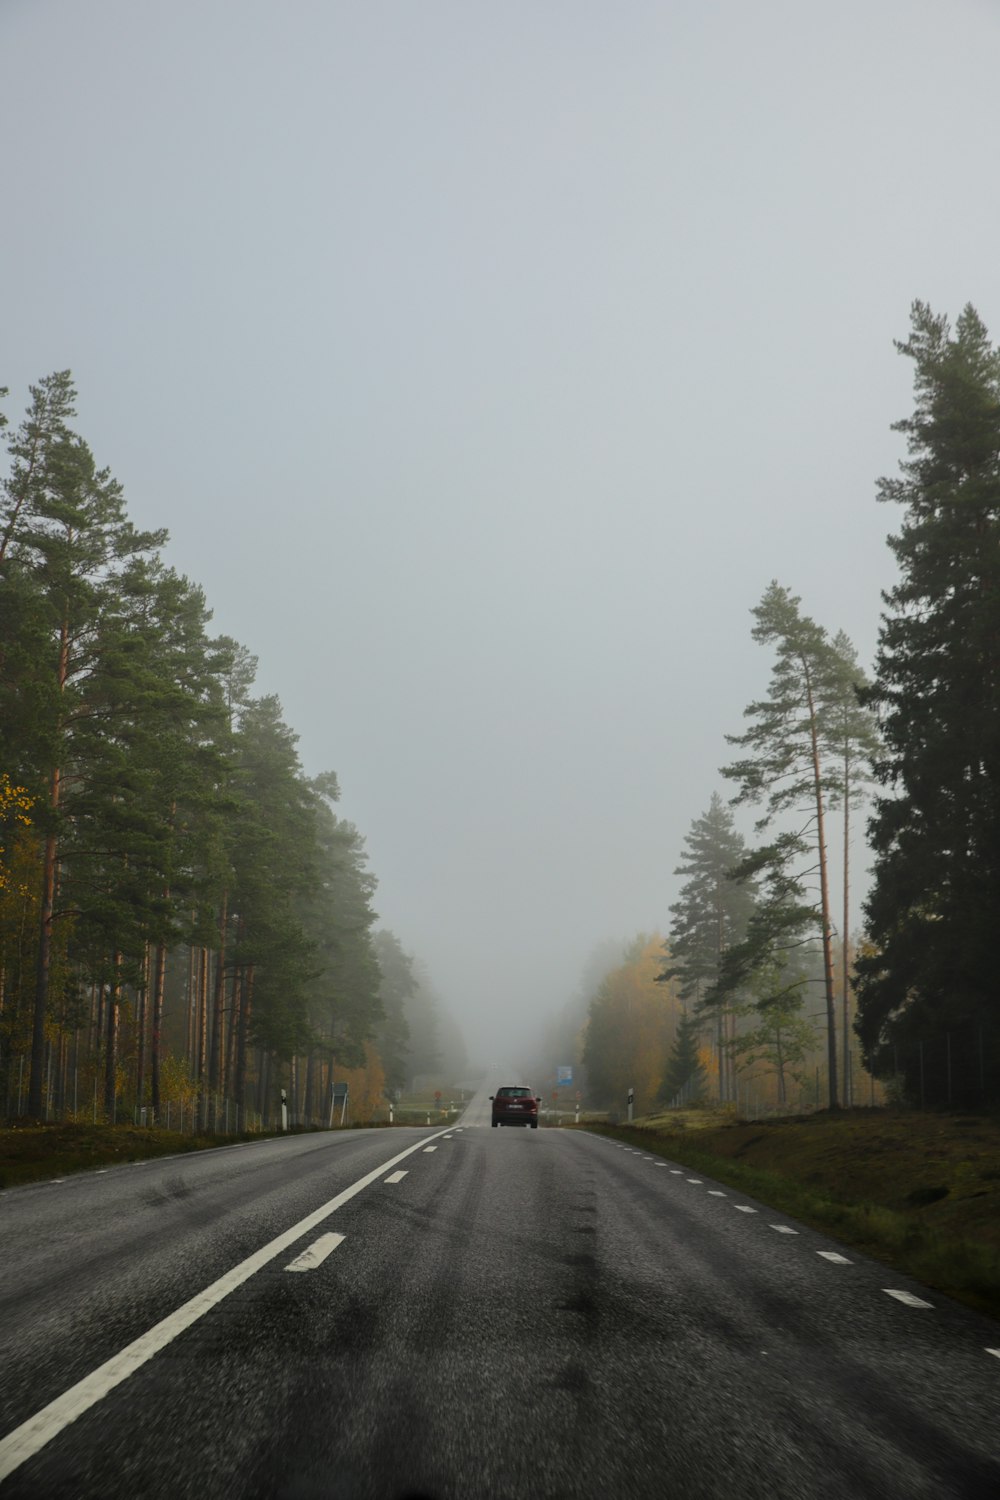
x,y
709,917
932,910
66,542
786,739
685,1078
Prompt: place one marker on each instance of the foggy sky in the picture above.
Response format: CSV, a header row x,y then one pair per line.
x,y
485,362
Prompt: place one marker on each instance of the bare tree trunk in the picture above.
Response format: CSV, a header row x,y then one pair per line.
x,y
35,1076
203,1036
263,1082
216,1075
845,957
159,984
49,871
309,1108
192,1015
111,1043
141,1012
824,886
243,1034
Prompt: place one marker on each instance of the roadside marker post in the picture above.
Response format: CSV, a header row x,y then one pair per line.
x,y
631,1101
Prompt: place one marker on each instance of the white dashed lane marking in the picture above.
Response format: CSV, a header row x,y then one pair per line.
x,y
840,1260
716,1193
906,1297
995,1352
429,1148
695,1180
676,1172
395,1177
316,1254
784,1229
744,1208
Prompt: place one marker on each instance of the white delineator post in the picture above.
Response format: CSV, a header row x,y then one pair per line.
x,y
631,1101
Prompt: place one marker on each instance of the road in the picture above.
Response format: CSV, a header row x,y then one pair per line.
x,y
500,1313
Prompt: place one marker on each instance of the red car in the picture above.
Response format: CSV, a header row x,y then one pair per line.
x,y
514,1105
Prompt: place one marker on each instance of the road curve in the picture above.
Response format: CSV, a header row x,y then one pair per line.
x,y
497,1314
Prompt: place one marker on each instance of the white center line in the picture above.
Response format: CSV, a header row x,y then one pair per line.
x,y
24,1441
716,1193
316,1254
395,1177
744,1208
784,1229
906,1297
840,1260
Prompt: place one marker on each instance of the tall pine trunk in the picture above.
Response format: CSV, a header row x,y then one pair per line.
x,y
111,1042
44,962
845,957
156,1026
824,887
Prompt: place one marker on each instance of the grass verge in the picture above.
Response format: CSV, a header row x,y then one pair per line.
x,y
921,1194
37,1153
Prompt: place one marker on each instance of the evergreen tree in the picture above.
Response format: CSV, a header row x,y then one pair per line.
x,y
397,984
932,910
66,543
684,1081
786,766
708,918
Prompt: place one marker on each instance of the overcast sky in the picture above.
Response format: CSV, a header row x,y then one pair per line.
x,y
485,362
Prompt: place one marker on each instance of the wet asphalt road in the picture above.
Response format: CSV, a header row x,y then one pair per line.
x,y
523,1313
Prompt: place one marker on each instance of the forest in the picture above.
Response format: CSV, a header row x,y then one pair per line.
x,y
186,925
760,995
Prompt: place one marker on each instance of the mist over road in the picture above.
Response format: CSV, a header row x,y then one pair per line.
x,y
469,1312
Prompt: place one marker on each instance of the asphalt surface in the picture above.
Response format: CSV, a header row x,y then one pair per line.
x,y
523,1313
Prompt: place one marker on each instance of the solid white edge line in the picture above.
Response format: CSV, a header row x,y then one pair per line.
x,y
316,1254
31,1436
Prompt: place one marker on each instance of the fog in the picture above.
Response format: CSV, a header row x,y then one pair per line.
x,y
485,363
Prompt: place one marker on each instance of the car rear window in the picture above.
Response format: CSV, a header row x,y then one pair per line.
x,y
507,1093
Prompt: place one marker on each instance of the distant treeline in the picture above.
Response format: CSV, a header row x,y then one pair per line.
x,y
759,949
183,917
